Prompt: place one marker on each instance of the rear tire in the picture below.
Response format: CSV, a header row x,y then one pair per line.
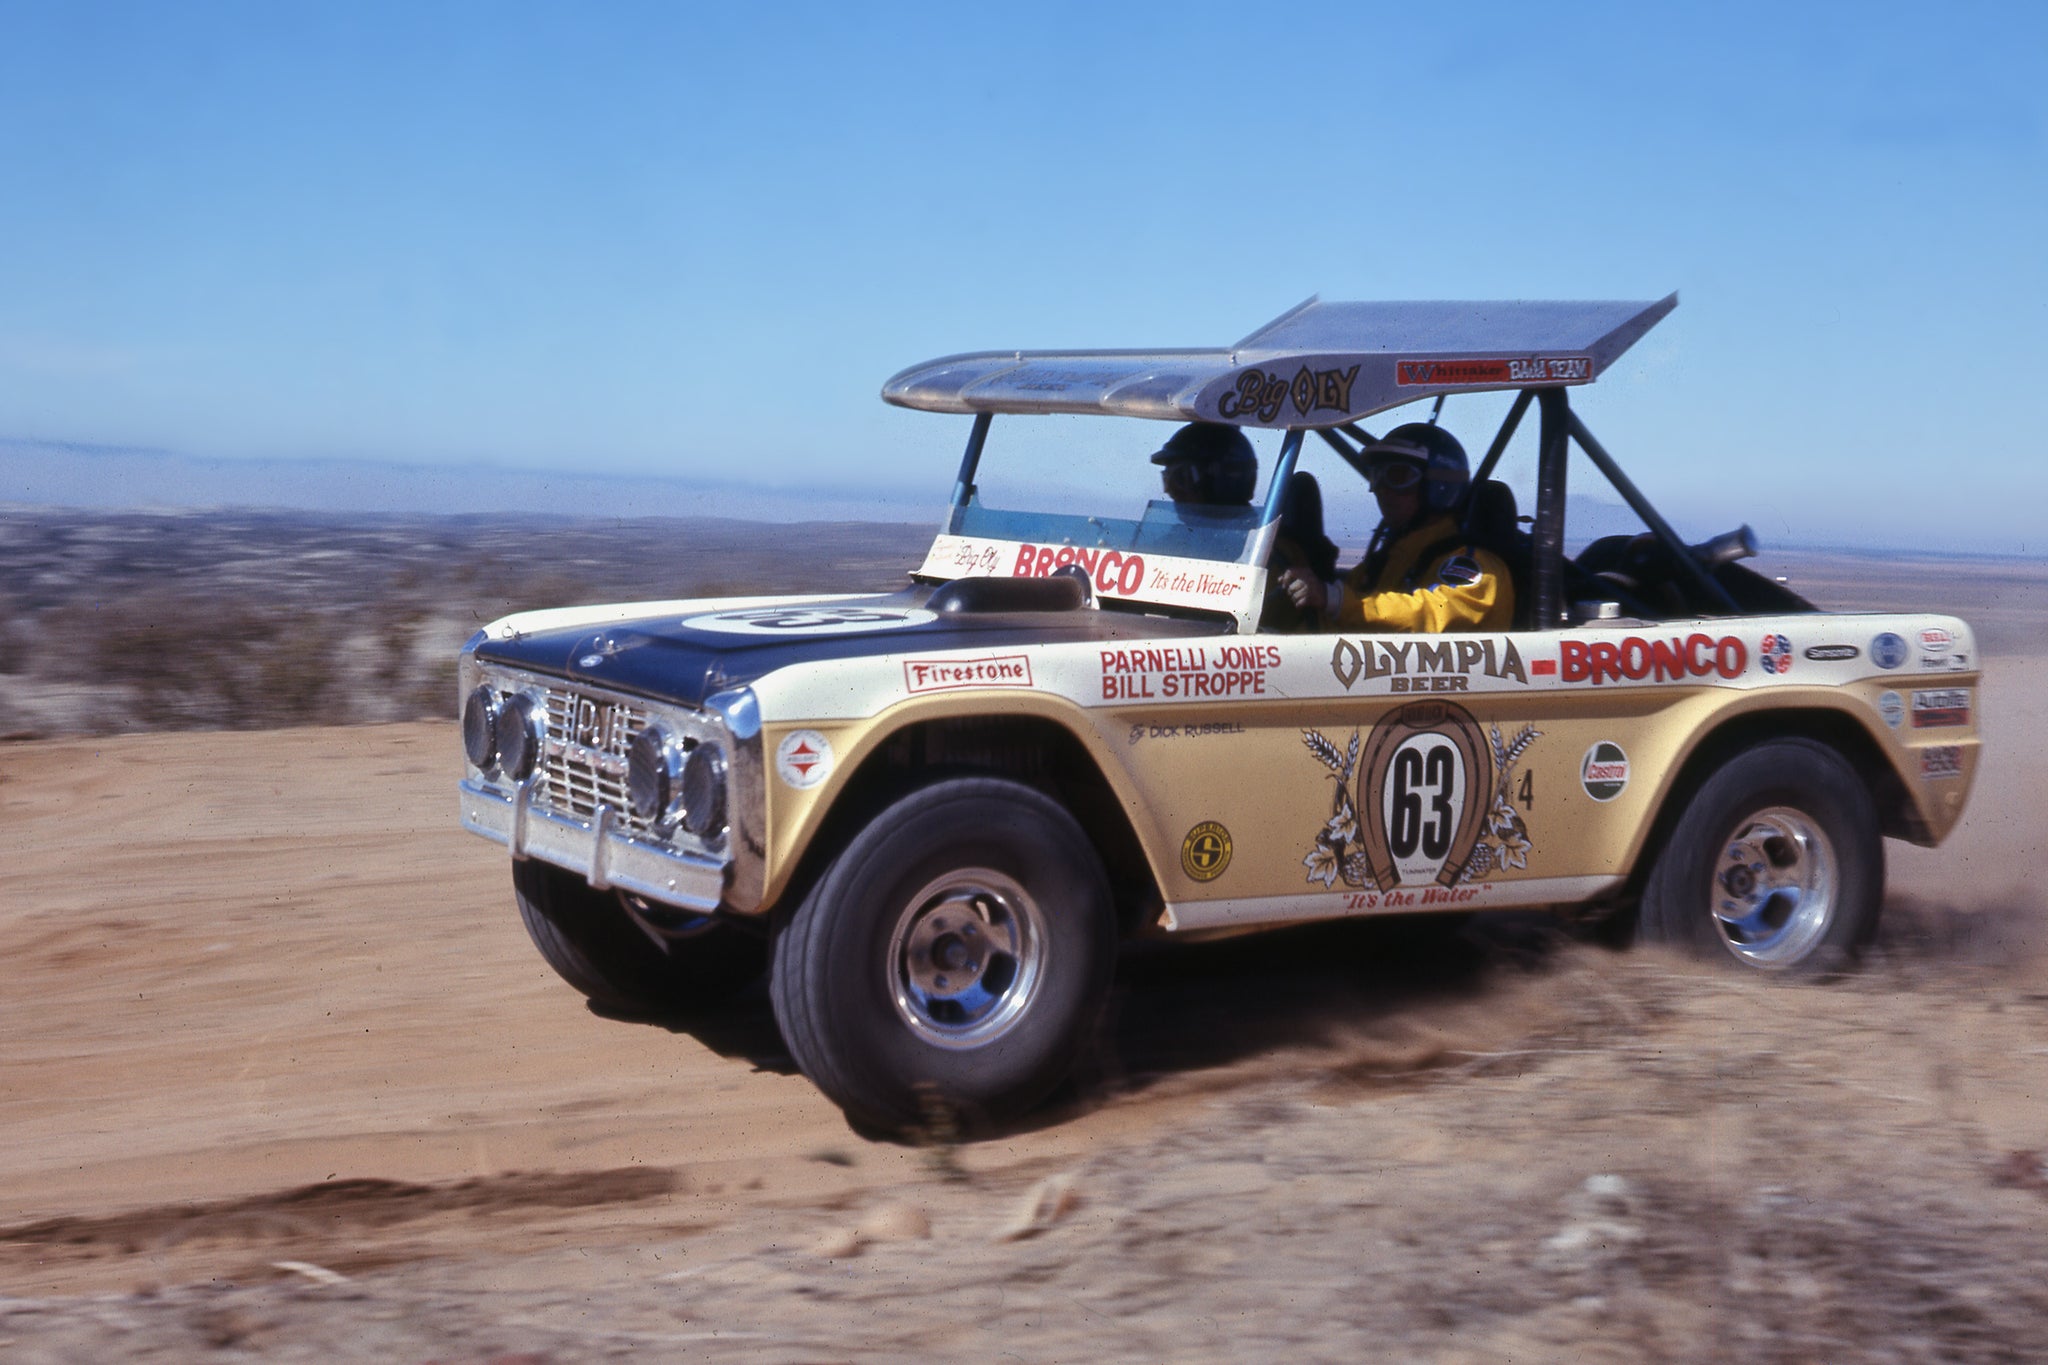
x,y
951,962
591,941
1776,863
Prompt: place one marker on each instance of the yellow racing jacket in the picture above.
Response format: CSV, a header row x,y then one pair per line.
x,y
1428,579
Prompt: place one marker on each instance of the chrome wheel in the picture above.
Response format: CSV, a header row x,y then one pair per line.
x,y
1773,887
966,958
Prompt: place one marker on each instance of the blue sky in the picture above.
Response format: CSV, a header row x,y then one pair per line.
x,y
672,240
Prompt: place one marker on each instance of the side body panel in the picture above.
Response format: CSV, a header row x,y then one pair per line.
x,y
1276,778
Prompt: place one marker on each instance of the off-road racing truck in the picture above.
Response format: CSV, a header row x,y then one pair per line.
x,y
938,812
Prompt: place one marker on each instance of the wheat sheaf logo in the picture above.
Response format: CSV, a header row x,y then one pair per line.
x,y
1433,801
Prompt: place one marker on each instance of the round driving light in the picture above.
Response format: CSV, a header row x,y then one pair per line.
x,y
652,761
480,728
519,737
704,791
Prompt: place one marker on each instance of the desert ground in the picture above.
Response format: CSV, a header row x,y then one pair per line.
x,y
284,1080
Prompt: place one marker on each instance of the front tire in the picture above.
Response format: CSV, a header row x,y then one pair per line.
x,y
1776,863
956,954
591,940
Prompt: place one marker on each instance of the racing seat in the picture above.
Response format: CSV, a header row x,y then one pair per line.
x,y
1491,523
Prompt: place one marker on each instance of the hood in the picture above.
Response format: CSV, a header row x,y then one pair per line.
x,y
688,657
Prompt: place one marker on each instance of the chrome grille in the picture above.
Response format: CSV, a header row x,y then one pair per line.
x,y
585,763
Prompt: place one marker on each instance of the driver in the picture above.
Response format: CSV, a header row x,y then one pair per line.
x,y
1208,464
1421,573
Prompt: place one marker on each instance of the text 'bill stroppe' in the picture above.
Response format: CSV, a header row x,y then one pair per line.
x,y
1187,671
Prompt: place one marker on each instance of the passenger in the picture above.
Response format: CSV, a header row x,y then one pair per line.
x,y
1208,464
1420,573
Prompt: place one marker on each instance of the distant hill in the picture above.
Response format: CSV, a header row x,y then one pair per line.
x,y
63,474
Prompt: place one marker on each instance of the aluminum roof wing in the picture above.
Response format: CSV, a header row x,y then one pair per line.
x,y
1317,365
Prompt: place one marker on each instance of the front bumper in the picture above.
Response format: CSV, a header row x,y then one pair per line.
x,y
605,855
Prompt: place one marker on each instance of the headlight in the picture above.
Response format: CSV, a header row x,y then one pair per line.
x,y
519,737
704,791
654,768
480,728
676,781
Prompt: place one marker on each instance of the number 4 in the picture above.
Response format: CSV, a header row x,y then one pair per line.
x,y
1526,793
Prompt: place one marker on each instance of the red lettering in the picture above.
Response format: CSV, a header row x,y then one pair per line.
x,y
1635,657
1132,575
1731,667
1088,559
1062,557
1571,659
1606,661
1697,662
1667,659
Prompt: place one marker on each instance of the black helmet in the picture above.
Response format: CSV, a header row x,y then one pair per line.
x,y
1444,469
1208,462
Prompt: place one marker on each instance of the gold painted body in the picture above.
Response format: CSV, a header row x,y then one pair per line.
x,y
1248,765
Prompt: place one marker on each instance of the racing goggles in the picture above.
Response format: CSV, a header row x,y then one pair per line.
x,y
1394,476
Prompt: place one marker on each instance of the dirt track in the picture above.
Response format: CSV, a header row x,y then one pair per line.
x,y
270,1020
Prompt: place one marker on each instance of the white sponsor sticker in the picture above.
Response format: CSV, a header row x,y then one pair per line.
x,y
803,759
1147,577
989,670
1892,707
800,622
1604,771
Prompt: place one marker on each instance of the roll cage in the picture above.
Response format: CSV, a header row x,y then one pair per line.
x,y
1325,367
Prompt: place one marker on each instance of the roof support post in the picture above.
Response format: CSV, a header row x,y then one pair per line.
x,y
1508,427
1553,449
963,487
1283,470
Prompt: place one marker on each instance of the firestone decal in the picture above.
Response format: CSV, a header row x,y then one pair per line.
x,y
1434,802
803,759
1425,665
821,619
1261,394
944,675
1637,659
1534,369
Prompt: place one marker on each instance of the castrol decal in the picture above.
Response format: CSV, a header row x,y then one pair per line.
x,y
1604,771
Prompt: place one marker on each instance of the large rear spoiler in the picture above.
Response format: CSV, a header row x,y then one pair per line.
x,y
1317,365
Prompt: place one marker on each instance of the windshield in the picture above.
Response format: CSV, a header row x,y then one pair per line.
x,y
1090,483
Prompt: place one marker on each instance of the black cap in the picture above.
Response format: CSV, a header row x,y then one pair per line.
x,y
1205,441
